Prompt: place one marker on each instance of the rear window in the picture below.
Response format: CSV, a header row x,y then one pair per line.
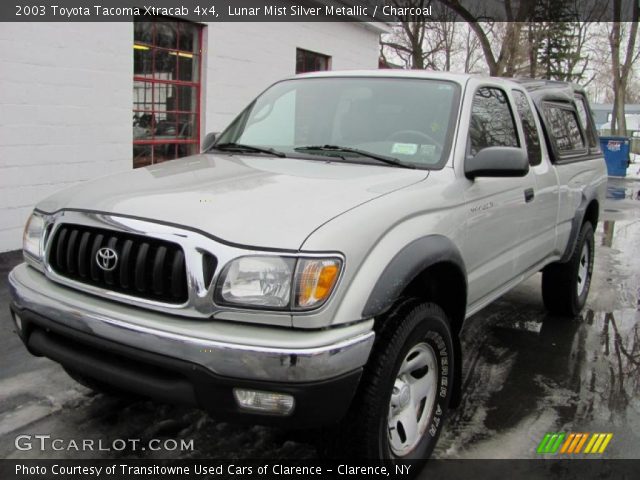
x,y
564,128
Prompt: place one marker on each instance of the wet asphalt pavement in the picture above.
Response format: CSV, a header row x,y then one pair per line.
x,y
525,374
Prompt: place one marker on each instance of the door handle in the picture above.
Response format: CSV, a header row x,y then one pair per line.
x,y
529,194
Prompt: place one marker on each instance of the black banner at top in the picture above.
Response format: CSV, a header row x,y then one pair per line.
x,y
388,11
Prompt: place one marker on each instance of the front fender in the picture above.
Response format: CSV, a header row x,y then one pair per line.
x,y
589,194
405,266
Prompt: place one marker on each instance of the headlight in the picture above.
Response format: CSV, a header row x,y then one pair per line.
x,y
33,238
257,281
275,282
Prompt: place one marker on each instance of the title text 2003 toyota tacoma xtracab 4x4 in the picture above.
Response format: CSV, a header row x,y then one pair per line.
x,y
315,264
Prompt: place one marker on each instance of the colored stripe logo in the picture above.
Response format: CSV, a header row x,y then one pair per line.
x,y
572,443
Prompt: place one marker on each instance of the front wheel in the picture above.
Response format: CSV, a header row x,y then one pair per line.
x,y
565,286
406,387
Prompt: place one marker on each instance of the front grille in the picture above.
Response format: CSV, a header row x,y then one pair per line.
x,y
146,267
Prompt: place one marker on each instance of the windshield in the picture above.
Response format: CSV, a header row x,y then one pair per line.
x,y
410,120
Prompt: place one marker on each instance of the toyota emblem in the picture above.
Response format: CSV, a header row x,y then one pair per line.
x,y
107,259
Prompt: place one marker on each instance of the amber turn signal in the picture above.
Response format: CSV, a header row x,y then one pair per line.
x,y
315,279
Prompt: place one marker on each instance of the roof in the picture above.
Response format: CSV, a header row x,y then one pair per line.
x,y
394,73
608,107
531,85
539,90
549,89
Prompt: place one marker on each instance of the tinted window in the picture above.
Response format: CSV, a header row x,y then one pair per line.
x,y
491,121
565,130
585,120
531,137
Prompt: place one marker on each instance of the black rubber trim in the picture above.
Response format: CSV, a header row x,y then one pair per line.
x,y
589,194
406,265
83,268
71,255
157,283
584,158
60,255
111,369
175,380
95,273
125,268
178,271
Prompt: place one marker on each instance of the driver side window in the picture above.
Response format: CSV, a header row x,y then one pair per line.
x,y
492,123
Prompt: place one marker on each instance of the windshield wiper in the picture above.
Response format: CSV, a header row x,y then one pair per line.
x,y
239,147
357,151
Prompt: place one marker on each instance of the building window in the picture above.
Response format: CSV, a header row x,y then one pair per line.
x,y
166,90
307,61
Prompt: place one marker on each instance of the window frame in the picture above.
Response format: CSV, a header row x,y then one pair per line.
x,y
558,155
506,94
197,86
590,129
539,128
311,52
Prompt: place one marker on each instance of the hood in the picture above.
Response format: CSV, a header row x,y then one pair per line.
x,y
250,200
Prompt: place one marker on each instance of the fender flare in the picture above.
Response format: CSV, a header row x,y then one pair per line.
x,y
589,194
406,265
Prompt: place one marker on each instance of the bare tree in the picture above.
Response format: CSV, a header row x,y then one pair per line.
x,y
442,44
578,65
622,61
410,40
448,30
504,60
444,33
559,51
471,49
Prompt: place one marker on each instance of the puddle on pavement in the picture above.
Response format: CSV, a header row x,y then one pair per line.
x,y
620,189
527,373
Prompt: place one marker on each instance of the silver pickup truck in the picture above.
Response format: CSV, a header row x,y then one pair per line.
x,y
315,264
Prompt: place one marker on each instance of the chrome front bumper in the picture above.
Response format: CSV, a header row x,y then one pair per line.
x,y
228,349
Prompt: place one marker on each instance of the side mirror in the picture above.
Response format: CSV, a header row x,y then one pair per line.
x,y
209,140
497,162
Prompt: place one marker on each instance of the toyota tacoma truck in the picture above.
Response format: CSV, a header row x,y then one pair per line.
x,y
314,265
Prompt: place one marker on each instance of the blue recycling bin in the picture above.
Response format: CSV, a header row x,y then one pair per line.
x,y
616,154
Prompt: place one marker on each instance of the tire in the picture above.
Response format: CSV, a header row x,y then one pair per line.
x,y
565,286
400,407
